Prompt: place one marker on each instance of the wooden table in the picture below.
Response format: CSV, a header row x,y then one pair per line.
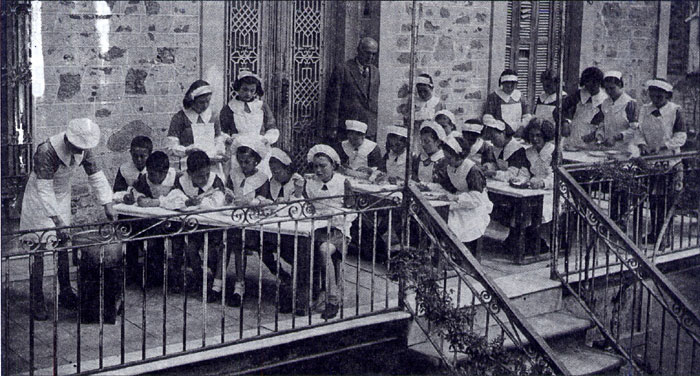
x,y
583,156
525,207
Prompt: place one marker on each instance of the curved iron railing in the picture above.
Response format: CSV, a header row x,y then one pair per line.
x,y
463,278
637,310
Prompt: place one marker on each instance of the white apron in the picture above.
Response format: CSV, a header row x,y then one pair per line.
x,y
658,130
512,109
425,173
250,123
34,215
545,109
396,165
541,167
616,120
331,206
474,150
468,223
581,123
358,158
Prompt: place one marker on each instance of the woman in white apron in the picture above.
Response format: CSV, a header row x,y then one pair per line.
x,y
47,201
470,213
195,126
506,104
247,114
427,164
394,162
547,100
661,132
582,114
425,105
620,115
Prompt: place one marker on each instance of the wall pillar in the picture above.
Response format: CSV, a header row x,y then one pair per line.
x,y
213,50
661,68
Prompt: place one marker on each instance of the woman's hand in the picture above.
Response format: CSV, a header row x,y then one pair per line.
x,y
536,183
490,174
643,149
610,142
588,138
148,202
502,165
129,198
193,201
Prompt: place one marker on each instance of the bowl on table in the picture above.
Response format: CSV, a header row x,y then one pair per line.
x,y
520,183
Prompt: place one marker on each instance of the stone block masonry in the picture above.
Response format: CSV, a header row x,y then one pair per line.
x,y
452,46
132,87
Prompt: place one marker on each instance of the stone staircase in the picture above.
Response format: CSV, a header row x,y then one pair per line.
x,y
540,300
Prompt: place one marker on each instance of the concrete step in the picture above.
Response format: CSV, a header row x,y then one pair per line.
x,y
562,331
582,360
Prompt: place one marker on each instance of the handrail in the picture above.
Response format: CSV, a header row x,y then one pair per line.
x,y
649,268
466,258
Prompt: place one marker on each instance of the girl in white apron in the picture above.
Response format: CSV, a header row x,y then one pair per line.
x,y
426,167
547,100
470,213
394,161
195,126
508,153
661,132
476,148
130,171
620,115
582,112
47,201
425,105
247,114
328,183
359,156
448,122
506,104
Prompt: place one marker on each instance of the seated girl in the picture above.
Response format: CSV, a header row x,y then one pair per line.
x,y
471,142
506,103
285,184
470,214
331,237
426,167
150,190
394,162
508,152
448,121
247,185
358,155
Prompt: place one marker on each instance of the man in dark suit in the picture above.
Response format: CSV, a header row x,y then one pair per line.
x,y
352,94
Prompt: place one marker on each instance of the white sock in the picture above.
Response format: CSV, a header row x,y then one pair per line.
x,y
217,285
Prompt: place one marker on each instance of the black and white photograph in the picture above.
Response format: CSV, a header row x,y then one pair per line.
x,y
359,187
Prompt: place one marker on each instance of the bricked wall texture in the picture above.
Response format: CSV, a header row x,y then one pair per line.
x,y
621,35
452,46
133,88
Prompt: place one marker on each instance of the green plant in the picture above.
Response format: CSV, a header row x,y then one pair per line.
x,y
416,269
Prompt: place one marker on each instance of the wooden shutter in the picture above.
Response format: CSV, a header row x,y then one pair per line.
x,y
532,39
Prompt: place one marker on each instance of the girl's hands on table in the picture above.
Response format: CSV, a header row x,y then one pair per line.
x,y
193,201
536,183
148,202
502,165
129,199
490,174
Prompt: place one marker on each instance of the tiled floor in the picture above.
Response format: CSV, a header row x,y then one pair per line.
x,y
259,318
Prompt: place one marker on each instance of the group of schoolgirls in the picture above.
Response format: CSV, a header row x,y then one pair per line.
x,y
254,173
612,119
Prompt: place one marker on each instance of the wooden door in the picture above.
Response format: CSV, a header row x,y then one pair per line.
x,y
287,44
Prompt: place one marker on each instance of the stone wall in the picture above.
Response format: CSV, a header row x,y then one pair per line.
x,y
621,35
131,85
452,46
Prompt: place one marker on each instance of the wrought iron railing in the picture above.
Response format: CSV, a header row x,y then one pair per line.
x,y
155,323
637,311
457,279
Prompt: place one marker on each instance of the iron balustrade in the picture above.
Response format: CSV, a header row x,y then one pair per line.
x,y
460,276
157,324
637,311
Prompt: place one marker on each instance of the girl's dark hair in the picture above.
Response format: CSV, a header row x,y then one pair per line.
x,y
248,80
247,150
187,101
615,80
142,142
549,75
197,160
399,137
431,132
447,149
158,161
544,126
591,74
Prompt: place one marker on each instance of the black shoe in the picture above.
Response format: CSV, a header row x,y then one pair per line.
x,y
301,311
330,311
649,239
235,300
67,299
214,296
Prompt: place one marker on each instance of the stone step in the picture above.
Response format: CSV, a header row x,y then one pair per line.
x,y
562,331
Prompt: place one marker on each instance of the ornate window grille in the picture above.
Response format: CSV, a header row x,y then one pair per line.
x,y
243,39
532,37
16,103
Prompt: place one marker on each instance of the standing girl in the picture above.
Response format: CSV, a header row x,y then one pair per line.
x,y
506,104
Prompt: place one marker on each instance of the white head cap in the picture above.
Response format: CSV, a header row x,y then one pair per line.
x,y
452,143
357,126
660,84
449,115
83,133
245,73
435,127
614,74
281,156
325,150
472,127
491,122
399,131
253,142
